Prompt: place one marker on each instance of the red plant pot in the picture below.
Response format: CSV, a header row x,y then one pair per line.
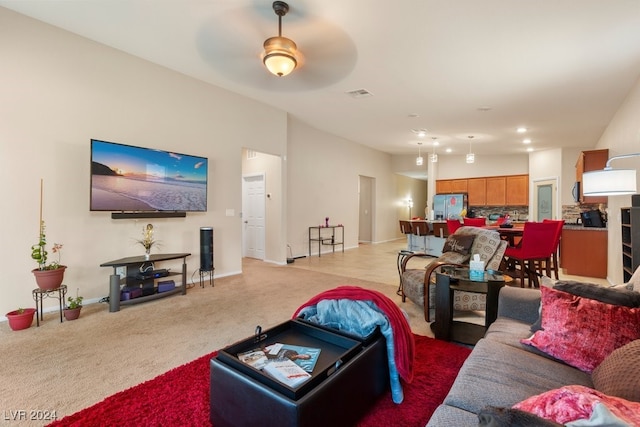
x,y
49,279
18,320
72,313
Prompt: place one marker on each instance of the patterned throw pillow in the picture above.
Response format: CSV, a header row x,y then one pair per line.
x,y
618,374
576,402
581,331
458,243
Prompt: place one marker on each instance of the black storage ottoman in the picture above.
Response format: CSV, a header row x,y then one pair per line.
x,y
348,378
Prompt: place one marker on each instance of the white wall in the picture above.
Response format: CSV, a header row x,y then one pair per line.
x,y
622,136
322,180
58,92
455,166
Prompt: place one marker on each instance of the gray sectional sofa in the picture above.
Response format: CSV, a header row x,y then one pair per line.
x,y
501,371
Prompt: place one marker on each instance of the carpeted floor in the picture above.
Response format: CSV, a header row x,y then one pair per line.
x,y
61,368
180,397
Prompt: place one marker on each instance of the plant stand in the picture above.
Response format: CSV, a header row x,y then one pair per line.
x,y
40,294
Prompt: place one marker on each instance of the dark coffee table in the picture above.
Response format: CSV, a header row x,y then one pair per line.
x,y
457,279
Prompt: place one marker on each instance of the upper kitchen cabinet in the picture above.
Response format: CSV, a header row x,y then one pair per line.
x,y
496,191
517,190
447,186
477,191
589,161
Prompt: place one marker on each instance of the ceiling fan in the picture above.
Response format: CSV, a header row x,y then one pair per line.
x,y
236,43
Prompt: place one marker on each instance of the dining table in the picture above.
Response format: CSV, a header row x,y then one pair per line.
x,y
510,234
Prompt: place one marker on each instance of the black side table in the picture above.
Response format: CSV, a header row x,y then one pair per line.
x,y
444,327
40,294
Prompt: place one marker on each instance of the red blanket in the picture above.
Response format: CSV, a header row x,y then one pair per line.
x,y
403,338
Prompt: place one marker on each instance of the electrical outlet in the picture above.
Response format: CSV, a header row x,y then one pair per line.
x,y
121,271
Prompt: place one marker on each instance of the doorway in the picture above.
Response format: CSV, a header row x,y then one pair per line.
x,y
545,193
366,196
253,216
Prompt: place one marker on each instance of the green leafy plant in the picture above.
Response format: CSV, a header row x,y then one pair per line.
x,y
74,302
39,251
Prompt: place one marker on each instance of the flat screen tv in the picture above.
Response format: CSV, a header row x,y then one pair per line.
x,y
136,179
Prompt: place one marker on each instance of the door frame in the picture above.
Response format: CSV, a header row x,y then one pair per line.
x,y
555,197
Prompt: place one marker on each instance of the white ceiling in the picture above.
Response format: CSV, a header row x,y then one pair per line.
x,y
465,67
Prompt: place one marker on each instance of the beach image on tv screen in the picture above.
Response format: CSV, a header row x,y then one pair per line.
x,y
128,178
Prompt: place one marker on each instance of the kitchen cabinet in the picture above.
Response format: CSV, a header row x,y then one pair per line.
x,y
477,191
496,191
517,190
589,161
583,251
511,190
447,186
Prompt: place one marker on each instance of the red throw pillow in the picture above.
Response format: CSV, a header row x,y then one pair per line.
x,y
581,331
576,402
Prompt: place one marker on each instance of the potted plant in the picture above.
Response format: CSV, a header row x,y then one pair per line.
x,y
21,318
147,240
48,276
73,307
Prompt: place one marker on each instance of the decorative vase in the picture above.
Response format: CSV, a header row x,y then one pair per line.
x,y
49,279
72,313
147,253
326,222
20,320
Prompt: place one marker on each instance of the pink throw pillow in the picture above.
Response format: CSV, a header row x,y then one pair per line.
x,y
581,331
576,402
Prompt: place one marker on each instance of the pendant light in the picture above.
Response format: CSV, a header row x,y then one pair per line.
x,y
279,54
419,159
470,157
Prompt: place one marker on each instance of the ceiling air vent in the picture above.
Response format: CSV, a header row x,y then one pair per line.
x,y
359,93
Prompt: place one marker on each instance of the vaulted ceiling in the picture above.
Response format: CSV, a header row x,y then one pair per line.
x,y
375,72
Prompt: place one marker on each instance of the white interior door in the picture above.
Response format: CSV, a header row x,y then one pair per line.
x,y
253,216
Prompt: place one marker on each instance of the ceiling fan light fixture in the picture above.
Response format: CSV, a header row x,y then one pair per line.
x,y
280,53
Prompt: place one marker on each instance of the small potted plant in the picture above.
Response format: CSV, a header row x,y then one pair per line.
x,y
73,307
21,318
48,276
147,240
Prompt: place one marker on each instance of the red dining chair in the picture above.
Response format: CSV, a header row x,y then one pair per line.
x,y
453,225
554,260
537,245
474,222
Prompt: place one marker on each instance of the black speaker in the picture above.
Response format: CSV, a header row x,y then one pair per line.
x,y
206,248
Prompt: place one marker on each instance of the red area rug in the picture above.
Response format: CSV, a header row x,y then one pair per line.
x,y
180,397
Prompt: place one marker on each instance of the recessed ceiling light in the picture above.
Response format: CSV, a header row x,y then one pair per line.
x,y
420,132
448,150
530,149
521,129
526,141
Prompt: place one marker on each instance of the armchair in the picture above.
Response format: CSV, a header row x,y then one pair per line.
x,y
416,283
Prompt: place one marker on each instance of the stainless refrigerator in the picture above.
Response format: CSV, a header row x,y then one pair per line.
x,y
449,206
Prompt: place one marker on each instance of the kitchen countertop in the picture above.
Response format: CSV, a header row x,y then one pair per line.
x,y
581,227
